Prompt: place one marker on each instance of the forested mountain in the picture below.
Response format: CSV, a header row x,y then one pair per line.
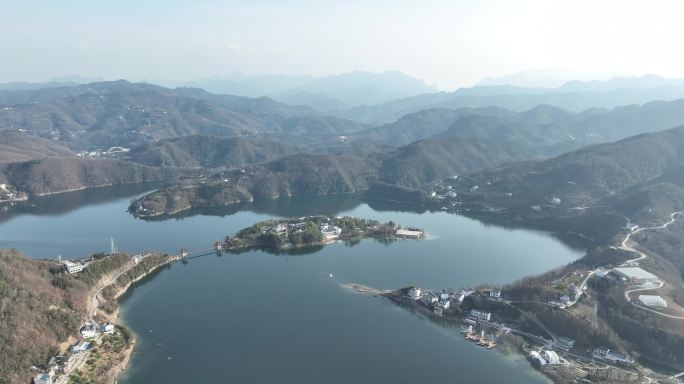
x,y
209,152
424,161
54,175
405,169
16,146
639,173
102,115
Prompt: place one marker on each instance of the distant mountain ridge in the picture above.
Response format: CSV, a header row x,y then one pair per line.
x,y
546,129
574,96
325,93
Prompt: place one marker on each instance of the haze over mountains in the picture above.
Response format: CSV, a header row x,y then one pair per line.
x,y
326,93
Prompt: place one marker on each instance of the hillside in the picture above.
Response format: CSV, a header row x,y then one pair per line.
x,y
399,173
419,125
103,115
16,147
54,175
547,129
598,172
208,152
417,164
300,175
36,314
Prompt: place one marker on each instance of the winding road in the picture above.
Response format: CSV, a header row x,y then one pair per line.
x,y
641,256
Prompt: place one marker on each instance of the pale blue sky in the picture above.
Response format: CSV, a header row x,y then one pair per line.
x,y
447,43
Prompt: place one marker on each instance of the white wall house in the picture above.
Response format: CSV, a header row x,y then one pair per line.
x,y
415,293
107,329
73,267
89,330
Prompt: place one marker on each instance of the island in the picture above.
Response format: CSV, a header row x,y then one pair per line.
x,y
316,230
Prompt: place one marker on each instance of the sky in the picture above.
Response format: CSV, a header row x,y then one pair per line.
x,y
450,43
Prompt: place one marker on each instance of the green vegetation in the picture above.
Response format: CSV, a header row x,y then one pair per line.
x,y
307,231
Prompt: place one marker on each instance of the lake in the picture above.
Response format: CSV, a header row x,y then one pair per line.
x,y
259,317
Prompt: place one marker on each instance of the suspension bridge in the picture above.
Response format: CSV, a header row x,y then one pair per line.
x,y
184,253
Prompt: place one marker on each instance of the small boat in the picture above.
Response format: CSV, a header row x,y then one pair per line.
x,y
331,276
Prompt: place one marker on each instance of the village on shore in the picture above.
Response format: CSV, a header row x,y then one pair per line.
x,y
488,318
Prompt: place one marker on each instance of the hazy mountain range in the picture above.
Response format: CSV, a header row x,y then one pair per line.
x,y
326,93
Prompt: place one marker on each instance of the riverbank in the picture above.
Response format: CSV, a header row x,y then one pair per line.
x,y
110,348
112,292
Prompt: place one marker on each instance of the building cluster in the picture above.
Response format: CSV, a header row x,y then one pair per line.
x,y
608,356
97,154
63,363
439,301
329,231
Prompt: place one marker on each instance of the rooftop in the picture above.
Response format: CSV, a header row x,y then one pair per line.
x,y
653,301
636,273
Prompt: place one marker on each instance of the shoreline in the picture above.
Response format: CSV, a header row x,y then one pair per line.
x,y
113,372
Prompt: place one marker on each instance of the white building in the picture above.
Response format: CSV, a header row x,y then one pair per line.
x,y
107,329
653,301
607,355
330,232
537,359
636,275
409,233
278,229
415,293
429,298
551,357
556,201
495,294
89,330
444,304
463,294
480,315
73,267
137,259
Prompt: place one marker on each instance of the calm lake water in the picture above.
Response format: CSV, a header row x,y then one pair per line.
x,y
259,317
